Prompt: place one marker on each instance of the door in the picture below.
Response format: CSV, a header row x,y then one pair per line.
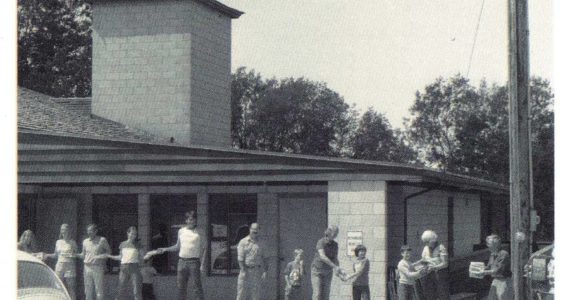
x,y
302,221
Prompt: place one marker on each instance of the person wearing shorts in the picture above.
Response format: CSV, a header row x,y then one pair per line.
x,y
65,253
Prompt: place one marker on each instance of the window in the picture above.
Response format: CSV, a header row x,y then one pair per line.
x,y
114,214
167,216
230,217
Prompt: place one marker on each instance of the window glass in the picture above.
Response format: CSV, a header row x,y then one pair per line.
x,y
230,217
167,217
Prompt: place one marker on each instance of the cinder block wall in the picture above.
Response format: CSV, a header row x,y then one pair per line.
x,y
164,67
360,206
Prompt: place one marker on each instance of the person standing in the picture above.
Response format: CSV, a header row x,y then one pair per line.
x,y
191,247
325,264
94,264
130,257
436,284
65,253
27,242
252,264
499,268
360,288
148,272
294,273
407,275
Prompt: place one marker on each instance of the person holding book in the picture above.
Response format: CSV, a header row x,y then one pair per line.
x,y
360,288
65,252
499,268
408,274
148,272
435,285
94,264
130,256
294,274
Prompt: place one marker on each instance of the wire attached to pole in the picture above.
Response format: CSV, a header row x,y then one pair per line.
x,y
475,38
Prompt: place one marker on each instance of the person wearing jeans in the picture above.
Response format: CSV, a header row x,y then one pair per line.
x,y
325,264
130,270
94,265
191,247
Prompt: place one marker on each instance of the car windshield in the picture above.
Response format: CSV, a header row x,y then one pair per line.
x,y
34,275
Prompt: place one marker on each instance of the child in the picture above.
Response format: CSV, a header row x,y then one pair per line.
x,y
294,273
360,288
408,275
148,272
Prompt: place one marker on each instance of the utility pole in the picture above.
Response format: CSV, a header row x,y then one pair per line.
x,y
519,141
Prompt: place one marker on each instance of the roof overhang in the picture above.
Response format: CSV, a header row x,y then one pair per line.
x,y
51,158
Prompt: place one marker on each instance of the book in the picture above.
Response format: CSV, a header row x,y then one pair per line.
x,y
475,267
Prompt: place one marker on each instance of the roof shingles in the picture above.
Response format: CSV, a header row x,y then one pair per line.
x,y
38,112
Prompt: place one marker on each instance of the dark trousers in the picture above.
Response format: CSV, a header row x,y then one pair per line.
x,y
360,292
435,286
148,291
189,270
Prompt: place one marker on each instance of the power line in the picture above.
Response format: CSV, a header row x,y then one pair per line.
x,y
475,37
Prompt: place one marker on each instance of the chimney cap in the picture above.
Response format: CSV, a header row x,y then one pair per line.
x,y
216,5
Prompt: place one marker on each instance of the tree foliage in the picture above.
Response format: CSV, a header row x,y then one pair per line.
x,y
375,139
289,115
54,47
457,127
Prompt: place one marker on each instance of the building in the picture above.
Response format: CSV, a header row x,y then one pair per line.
x,y
154,142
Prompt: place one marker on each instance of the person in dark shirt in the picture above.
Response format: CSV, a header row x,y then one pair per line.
x,y
325,264
360,288
160,240
499,268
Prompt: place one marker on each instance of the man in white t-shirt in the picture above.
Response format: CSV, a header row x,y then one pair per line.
x,y
191,247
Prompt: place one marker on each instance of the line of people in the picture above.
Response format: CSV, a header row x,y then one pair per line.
x,y
428,278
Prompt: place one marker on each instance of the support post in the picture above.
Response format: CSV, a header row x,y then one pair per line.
x,y
519,140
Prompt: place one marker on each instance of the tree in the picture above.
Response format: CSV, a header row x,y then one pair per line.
x,y
460,128
376,140
54,47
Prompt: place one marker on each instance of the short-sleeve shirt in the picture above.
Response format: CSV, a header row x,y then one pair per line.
x,y
130,252
295,273
97,246
250,252
65,250
331,251
500,262
362,279
438,252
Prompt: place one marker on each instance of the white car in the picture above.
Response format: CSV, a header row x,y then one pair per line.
x,y
37,281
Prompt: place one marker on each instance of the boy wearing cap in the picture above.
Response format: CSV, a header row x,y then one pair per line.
x,y
294,272
407,274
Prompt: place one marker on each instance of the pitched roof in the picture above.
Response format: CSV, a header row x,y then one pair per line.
x,y
38,112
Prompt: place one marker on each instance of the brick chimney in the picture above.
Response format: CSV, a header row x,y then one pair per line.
x,y
164,66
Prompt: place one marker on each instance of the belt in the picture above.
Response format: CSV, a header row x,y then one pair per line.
x,y
190,259
253,267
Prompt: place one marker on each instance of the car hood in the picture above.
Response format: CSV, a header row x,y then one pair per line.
x,y
41,294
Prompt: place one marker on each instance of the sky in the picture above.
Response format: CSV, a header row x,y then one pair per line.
x,y
378,53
